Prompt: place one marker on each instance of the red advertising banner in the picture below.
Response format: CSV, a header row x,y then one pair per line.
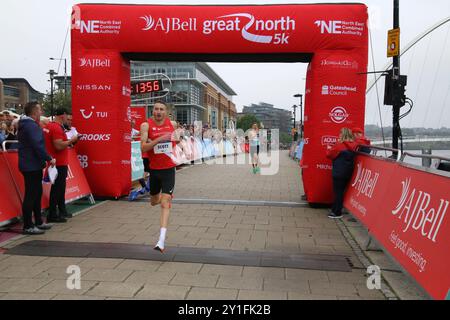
x,y
10,202
77,186
139,115
334,97
408,211
220,29
364,189
105,38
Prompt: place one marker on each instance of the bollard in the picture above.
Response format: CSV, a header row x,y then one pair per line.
x,y
426,162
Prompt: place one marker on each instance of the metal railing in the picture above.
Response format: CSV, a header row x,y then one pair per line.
x,y
423,156
8,142
376,149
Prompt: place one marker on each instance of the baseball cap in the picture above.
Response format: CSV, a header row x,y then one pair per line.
x,y
357,130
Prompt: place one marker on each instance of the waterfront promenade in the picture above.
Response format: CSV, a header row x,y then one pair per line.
x,y
280,227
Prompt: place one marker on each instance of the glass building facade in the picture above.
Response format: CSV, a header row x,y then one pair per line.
x,y
193,91
186,91
187,88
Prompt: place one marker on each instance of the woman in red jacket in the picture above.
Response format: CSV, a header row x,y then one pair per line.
x,y
342,155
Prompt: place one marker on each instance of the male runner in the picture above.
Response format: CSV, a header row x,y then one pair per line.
x,y
158,141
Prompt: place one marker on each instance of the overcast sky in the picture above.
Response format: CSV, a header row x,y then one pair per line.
x,y
31,31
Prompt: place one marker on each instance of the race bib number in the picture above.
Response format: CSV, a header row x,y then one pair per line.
x,y
165,147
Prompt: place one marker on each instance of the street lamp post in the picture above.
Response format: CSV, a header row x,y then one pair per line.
x,y
51,73
301,113
65,73
295,131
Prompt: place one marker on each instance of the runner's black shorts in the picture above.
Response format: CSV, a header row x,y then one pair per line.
x,y
162,181
146,164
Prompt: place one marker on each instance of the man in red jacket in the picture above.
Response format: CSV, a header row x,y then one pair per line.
x,y
57,145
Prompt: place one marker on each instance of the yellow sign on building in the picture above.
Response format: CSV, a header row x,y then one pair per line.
x,y
393,49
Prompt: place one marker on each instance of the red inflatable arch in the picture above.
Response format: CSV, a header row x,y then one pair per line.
x,y
332,38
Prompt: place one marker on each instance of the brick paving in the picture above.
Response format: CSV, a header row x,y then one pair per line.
x,y
232,227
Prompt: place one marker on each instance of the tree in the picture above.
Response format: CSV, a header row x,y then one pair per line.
x,y
285,138
59,100
247,121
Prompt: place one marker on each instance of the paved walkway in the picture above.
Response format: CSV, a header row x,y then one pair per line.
x,y
231,227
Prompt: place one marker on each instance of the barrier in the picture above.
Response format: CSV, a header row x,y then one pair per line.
x,y
299,151
198,149
10,202
407,210
137,166
189,149
292,150
77,186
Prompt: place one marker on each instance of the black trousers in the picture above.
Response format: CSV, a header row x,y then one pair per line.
x,y
339,186
32,199
57,194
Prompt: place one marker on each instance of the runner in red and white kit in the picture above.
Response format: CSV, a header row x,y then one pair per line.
x,y
158,141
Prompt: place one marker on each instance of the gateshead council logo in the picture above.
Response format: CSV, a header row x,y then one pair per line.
x,y
267,31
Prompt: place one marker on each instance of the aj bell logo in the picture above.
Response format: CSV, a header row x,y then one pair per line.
x,y
242,22
365,181
94,63
90,113
418,212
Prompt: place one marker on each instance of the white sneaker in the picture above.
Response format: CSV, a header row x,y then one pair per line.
x,y
159,247
45,226
33,231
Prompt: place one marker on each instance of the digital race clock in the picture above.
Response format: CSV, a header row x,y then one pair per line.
x,y
146,86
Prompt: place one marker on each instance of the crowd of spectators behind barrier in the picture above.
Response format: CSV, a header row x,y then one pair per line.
x,y
206,132
8,128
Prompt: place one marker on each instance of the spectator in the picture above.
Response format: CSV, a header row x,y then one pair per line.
x,y
70,130
134,132
7,116
342,155
11,135
32,159
44,122
361,140
57,144
3,132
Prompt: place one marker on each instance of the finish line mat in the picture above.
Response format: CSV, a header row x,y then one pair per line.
x,y
183,254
